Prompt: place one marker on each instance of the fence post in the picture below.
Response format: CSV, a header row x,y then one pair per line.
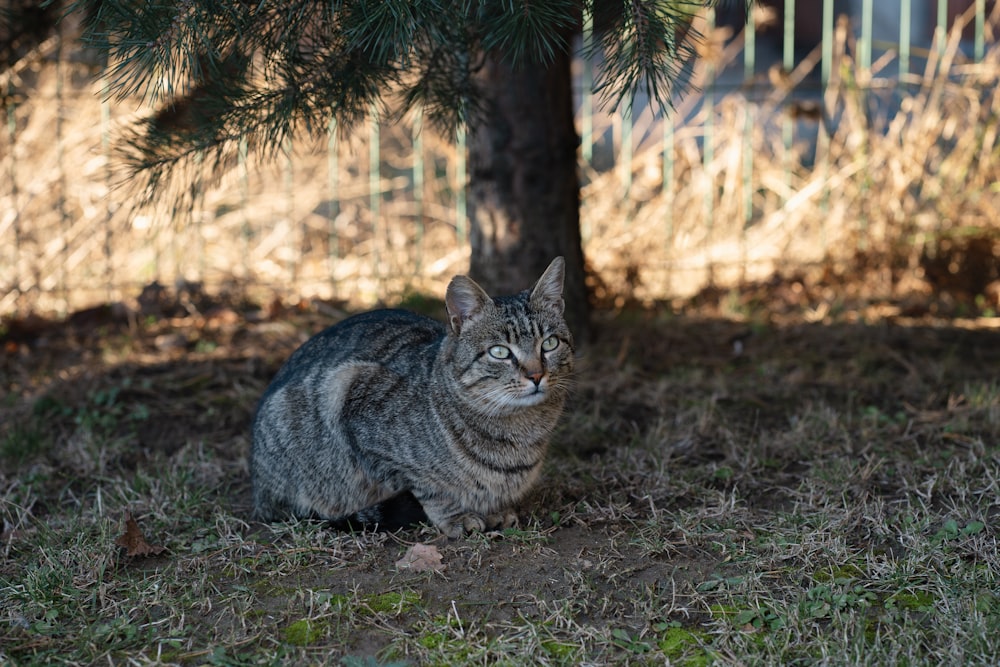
x,y
418,184
905,19
461,207
586,90
749,72
708,150
625,150
941,30
333,201
61,282
198,218
788,64
823,136
980,47
289,182
15,285
865,46
246,232
667,168
109,272
374,190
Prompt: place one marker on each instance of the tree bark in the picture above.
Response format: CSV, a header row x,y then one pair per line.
x,y
524,189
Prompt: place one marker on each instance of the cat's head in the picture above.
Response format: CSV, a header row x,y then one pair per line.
x,y
513,352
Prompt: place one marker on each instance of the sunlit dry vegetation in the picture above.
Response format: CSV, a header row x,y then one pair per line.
x,y
907,197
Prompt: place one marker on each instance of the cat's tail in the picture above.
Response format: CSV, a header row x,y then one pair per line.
x,y
395,513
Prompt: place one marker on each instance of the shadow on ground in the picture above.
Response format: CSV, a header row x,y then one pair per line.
x,y
706,467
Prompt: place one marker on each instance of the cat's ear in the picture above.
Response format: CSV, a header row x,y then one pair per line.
x,y
464,300
548,291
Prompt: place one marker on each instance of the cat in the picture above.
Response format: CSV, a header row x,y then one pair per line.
x,y
389,418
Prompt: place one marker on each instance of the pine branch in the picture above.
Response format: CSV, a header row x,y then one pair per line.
x,y
527,31
440,82
229,75
645,51
160,51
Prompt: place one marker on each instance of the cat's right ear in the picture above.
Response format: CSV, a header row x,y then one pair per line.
x,y
548,291
464,300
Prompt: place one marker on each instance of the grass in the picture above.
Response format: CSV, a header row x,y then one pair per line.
x,y
812,500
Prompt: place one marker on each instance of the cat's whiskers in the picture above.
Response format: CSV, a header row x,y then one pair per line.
x,y
498,401
506,400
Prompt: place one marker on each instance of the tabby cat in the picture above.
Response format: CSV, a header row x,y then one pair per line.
x,y
389,418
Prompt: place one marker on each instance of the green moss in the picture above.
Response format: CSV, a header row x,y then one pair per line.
x,y
384,603
676,640
723,474
725,611
911,601
683,646
433,640
339,601
871,630
560,650
446,649
304,632
840,575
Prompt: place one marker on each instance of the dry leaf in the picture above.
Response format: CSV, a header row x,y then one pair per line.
x,y
421,558
134,542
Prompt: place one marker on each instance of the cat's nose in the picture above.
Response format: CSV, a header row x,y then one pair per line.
x,y
536,377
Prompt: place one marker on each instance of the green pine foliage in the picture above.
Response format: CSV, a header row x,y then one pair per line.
x,y
644,47
228,76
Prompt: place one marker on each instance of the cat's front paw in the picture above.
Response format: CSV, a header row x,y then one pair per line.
x,y
501,521
471,522
463,524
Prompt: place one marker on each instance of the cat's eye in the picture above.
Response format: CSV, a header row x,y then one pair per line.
x,y
550,343
499,352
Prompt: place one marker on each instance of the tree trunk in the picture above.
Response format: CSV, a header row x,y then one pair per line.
x,y
524,190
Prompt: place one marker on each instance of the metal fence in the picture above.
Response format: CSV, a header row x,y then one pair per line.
x,y
808,132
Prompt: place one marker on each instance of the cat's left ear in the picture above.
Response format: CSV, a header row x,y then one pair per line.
x,y
464,300
548,291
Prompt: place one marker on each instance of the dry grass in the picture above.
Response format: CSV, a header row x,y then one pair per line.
x,y
908,200
884,196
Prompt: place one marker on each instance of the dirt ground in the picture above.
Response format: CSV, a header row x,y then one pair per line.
x,y
690,437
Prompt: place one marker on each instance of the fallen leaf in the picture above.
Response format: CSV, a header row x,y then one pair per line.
x,y
134,542
421,558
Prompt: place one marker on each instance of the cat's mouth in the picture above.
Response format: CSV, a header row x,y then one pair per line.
x,y
533,395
